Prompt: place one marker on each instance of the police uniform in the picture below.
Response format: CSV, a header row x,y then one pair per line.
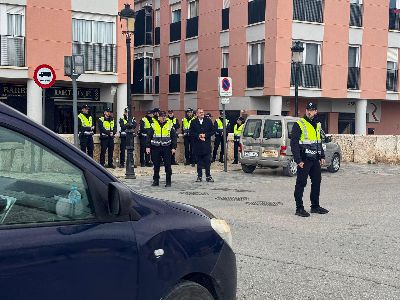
x,y
187,139
161,138
85,129
107,132
306,146
145,125
123,123
219,132
237,132
175,122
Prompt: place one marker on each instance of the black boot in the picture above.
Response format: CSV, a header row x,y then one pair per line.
x,y
155,183
319,210
300,211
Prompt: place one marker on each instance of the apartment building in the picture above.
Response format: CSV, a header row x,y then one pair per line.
x,y
349,66
35,32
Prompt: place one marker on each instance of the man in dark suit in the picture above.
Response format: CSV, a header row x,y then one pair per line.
x,y
201,131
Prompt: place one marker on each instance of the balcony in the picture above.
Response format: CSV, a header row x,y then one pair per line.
x,y
157,36
255,76
356,15
98,57
225,18
256,11
308,11
192,27
392,80
309,76
175,32
353,78
394,19
12,51
174,83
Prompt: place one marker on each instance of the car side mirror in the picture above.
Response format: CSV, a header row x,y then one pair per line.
x,y
328,139
120,200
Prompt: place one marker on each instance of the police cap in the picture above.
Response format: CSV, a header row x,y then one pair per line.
x,y
311,106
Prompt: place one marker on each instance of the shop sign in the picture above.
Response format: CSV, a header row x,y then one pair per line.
x,y
11,90
89,94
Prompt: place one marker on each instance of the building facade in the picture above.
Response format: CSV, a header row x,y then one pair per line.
x,y
349,66
35,32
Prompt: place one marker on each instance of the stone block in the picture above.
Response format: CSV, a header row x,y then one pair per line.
x,y
386,149
346,143
364,149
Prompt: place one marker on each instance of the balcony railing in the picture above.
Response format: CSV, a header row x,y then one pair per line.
x,y
225,18
392,80
174,83
98,57
394,19
192,27
309,76
308,10
191,81
157,84
157,36
255,76
175,32
12,51
356,15
353,78
256,11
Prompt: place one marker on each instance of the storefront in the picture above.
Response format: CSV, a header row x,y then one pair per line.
x,y
14,95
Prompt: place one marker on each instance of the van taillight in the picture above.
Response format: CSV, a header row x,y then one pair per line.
x,y
240,148
283,150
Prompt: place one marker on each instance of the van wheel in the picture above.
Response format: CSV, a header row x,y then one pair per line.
x,y
248,168
189,290
291,169
335,163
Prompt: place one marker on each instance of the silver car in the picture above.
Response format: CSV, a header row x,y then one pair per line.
x,y
265,142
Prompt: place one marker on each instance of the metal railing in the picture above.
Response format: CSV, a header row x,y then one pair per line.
x,y
394,19
356,15
98,57
353,78
12,51
308,10
392,80
309,76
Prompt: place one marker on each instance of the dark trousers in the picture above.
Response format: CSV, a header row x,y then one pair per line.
x,y
217,142
144,157
159,154
311,168
86,143
173,159
122,150
203,162
106,145
189,157
236,151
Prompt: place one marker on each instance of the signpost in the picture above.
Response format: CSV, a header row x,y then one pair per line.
x,y
225,91
45,77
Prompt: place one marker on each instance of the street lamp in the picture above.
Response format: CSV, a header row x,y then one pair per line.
x,y
297,60
127,15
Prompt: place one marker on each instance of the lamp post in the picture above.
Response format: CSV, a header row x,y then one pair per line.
x,y
297,60
127,15
74,66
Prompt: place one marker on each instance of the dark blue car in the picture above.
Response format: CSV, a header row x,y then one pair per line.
x,y
70,230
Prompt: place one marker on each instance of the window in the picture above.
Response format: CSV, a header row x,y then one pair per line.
x,y
225,57
87,31
353,79
392,69
252,129
226,4
191,62
308,10
175,65
354,56
272,129
290,129
157,67
193,9
35,184
393,4
256,53
15,24
157,18
148,75
311,53
358,2
175,14
256,11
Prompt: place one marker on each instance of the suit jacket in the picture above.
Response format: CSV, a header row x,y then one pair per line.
x,y
202,147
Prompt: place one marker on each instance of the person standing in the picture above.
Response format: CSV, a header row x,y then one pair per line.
x,y
175,122
309,155
219,134
186,121
145,125
123,123
237,132
201,130
107,132
161,143
85,129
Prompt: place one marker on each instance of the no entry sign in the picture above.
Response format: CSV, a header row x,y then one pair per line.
x,y
44,76
225,86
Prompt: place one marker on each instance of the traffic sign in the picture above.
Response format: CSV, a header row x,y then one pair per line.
x,y
44,76
225,86
224,100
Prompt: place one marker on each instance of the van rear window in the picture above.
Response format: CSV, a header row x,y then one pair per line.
x,y
272,129
252,129
289,129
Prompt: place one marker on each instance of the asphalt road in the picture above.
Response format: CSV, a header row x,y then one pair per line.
x,y
351,253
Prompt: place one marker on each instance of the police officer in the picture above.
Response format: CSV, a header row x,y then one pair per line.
x,y
123,123
309,155
187,140
107,132
219,132
175,122
161,142
237,132
156,112
145,125
85,129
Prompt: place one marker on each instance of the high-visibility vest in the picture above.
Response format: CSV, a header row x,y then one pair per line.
x,y
147,123
162,135
186,124
107,124
310,139
173,120
237,131
221,125
85,122
124,121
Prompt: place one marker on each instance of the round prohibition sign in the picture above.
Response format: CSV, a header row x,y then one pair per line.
x,y
226,85
44,76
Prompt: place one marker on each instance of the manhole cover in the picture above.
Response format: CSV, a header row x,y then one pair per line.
x,y
233,198
264,203
194,193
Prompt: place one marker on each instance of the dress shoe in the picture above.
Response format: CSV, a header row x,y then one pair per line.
x,y
302,213
155,183
122,166
209,179
175,164
186,163
142,165
193,165
168,184
199,179
319,210
235,163
149,164
111,166
221,161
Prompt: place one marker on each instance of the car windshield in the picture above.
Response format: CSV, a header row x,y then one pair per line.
x,y
252,129
272,129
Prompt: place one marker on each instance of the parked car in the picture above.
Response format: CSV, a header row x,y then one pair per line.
x,y
265,142
70,230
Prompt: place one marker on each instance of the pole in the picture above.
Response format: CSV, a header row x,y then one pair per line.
x,y
130,143
224,141
296,90
43,105
75,108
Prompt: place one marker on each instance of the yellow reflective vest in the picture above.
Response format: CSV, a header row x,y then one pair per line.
x,y
162,135
237,131
310,139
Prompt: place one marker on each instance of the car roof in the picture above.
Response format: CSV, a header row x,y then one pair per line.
x,y
272,117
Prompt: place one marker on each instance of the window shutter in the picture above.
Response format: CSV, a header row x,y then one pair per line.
x,y
393,55
192,61
226,3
